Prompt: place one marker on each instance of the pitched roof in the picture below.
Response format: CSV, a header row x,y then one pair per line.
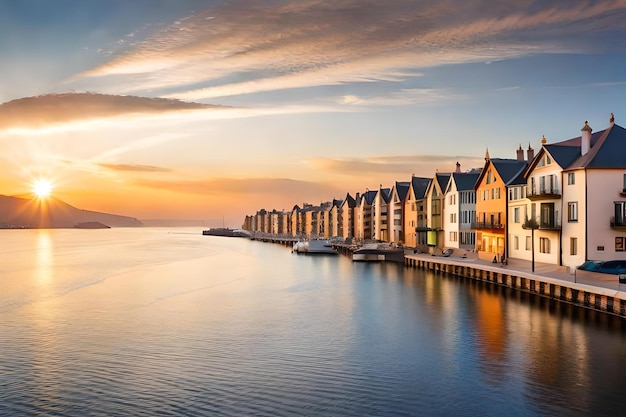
x,y
402,188
369,196
385,194
465,181
608,152
420,185
510,170
349,200
442,179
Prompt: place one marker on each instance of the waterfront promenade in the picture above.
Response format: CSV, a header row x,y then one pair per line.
x,y
593,290
597,291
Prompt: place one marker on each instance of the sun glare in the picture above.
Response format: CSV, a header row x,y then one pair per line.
x,y
42,188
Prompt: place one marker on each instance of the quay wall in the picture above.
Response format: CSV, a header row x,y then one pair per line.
x,y
587,296
596,298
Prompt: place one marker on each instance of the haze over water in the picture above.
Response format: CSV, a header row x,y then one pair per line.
x,y
169,322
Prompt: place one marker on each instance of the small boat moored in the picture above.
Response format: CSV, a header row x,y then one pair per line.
x,y
378,252
315,247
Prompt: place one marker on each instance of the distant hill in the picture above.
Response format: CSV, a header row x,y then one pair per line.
x,y
16,212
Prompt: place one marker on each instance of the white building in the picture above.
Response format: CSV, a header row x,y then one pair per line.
x,y
460,210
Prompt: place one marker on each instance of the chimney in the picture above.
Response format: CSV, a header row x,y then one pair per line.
x,y
458,168
531,153
520,153
612,119
585,141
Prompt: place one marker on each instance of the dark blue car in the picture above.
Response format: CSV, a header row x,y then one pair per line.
x,y
605,267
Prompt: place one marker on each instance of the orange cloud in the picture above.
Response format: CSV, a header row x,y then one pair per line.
x,y
54,109
244,47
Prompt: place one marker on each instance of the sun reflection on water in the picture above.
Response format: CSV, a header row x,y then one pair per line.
x,y
44,262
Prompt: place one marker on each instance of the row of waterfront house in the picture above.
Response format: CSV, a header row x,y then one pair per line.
x,y
562,205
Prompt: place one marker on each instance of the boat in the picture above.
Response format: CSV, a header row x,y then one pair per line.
x,y
315,247
226,231
378,252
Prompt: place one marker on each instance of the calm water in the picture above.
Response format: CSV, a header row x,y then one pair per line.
x,y
153,322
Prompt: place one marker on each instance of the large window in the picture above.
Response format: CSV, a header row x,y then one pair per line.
x,y
572,211
516,218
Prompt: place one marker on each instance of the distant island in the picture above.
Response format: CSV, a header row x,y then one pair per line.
x,y
91,225
31,213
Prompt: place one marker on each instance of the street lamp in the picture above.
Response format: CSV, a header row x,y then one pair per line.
x,y
532,225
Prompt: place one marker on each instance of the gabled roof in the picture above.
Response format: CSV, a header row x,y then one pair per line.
x,y
351,202
337,203
420,186
369,196
510,170
608,152
402,188
465,181
442,180
385,193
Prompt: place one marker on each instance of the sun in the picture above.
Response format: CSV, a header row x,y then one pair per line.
x,y
42,188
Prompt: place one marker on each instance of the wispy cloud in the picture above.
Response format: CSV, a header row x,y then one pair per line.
x,y
55,109
245,187
133,168
244,47
424,165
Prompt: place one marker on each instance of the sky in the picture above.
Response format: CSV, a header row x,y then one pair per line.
x,y
206,109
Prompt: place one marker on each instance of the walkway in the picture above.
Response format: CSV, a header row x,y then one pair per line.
x,y
542,270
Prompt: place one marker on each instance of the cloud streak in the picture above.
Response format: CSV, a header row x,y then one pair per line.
x,y
244,47
54,109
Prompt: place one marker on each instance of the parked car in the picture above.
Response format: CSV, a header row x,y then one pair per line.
x,y
605,267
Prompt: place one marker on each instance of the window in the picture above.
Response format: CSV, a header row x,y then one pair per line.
x,y
516,242
573,246
620,213
571,178
453,236
624,183
516,215
572,211
489,177
528,243
544,245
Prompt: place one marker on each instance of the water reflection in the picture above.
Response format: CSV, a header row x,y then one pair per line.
x,y
44,261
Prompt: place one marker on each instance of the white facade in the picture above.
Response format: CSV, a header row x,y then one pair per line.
x,y
519,244
451,216
544,190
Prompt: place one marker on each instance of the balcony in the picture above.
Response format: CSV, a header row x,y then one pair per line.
x,y
619,223
545,193
487,225
549,224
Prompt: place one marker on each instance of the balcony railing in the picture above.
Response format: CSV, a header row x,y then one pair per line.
x,y
549,224
543,193
619,223
487,225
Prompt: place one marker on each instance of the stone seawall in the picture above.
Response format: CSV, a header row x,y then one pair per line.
x,y
596,298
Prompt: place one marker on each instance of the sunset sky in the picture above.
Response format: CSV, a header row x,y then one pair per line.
x,y
213,109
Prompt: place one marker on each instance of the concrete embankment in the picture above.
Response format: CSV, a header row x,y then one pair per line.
x,y
554,284
600,292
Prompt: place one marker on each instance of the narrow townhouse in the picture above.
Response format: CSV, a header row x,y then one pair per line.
x,y
415,217
434,211
460,209
396,211
491,204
